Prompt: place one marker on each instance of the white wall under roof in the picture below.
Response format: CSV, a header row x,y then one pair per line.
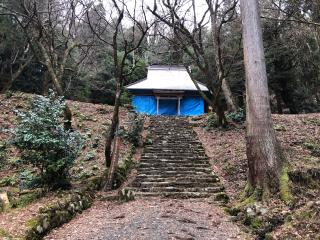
x,y
167,78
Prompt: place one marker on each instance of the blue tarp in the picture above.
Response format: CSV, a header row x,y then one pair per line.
x,y
168,107
145,104
189,106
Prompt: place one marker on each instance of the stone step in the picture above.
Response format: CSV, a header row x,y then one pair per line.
x,y
173,171
169,146
177,159
186,153
159,178
160,157
174,164
174,150
194,184
176,189
168,168
182,195
212,189
165,151
173,139
175,154
175,143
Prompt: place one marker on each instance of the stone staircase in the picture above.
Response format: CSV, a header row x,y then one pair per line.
x,y
174,164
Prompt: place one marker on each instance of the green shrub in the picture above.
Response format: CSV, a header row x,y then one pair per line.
x,y
313,146
25,199
3,154
238,116
8,181
29,180
124,167
126,98
44,143
212,121
90,156
133,134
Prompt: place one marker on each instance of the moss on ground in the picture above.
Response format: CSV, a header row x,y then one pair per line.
x,y
26,199
4,234
285,194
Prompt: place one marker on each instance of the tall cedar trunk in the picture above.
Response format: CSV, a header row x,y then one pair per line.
x,y
265,158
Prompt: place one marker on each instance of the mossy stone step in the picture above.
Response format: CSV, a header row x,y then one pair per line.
x,y
158,178
174,163
194,184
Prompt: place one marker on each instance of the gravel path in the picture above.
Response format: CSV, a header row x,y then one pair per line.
x,y
151,220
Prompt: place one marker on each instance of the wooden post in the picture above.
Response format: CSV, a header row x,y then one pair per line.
x,y
179,112
158,105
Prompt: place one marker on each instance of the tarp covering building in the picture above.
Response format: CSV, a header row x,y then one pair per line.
x,y
168,91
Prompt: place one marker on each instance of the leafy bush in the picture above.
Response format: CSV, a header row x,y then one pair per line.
x,y
29,180
90,156
132,135
8,181
124,167
238,116
313,146
3,154
44,143
212,121
125,98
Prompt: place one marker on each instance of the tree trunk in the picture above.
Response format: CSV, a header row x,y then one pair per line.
x,y
216,31
67,110
6,85
15,75
58,87
279,101
267,169
114,124
220,109
228,95
45,85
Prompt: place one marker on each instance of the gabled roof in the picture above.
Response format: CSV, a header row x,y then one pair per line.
x,y
166,78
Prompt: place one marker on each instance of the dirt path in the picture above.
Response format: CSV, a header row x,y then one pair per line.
x,y
151,220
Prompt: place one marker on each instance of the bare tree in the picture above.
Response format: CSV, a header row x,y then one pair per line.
x,y
51,29
16,54
267,164
127,43
12,69
217,23
195,42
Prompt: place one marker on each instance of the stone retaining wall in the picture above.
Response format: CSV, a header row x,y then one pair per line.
x,y
62,211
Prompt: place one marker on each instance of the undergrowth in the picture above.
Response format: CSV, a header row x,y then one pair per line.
x,y
43,141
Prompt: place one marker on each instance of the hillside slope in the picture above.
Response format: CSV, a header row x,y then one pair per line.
x,y
91,120
299,136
